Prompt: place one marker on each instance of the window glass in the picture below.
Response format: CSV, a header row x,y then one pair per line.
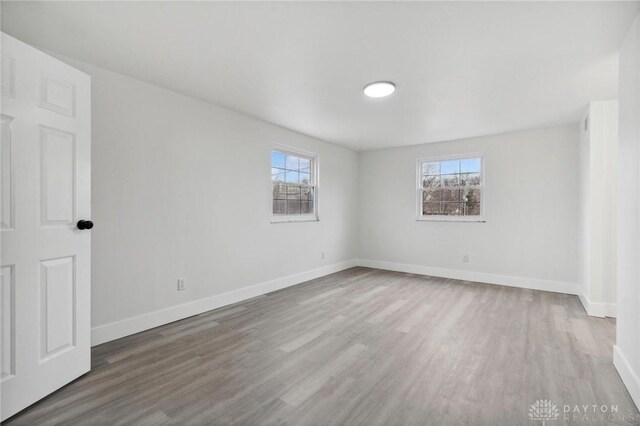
x,y
450,187
293,184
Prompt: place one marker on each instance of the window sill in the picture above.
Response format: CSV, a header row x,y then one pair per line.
x,y
449,219
291,219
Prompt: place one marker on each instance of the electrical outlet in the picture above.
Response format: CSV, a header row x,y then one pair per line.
x,y
322,255
182,284
465,258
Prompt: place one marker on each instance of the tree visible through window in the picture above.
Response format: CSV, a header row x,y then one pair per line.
x,y
450,187
293,183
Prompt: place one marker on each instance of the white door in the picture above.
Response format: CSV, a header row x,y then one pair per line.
x,y
45,297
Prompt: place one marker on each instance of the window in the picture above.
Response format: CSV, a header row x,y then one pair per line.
x,y
450,188
294,185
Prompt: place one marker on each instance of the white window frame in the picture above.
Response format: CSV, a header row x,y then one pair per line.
x,y
315,174
444,218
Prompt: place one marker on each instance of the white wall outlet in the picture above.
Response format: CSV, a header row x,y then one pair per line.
x,y
465,258
322,255
182,284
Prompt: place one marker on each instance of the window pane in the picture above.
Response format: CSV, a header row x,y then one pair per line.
x,y
277,175
292,199
431,206
442,209
431,181
452,209
305,178
470,179
431,209
277,159
431,196
306,193
446,195
450,167
279,191
293,206
306,207
305,164
450,195
279,206
471,199
471,209
470,196
450,180
291,176
430,169
292,163
470,165
293,192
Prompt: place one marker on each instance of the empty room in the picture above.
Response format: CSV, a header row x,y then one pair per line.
x,y
320,213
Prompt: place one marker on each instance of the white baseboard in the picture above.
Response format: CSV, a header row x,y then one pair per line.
x,y
126,327
596,309
628,376
115,330
483,277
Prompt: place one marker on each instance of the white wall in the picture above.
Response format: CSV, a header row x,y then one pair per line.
x,y
531,200
597,212
627,350
181,188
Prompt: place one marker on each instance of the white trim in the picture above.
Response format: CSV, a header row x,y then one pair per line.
x,y
315,175
288,149
597,309
451,219
628,376
482,277
443,218
460,156
294,218
115,330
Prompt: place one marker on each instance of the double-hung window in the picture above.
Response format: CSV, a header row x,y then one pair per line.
x,y
450,188
294,185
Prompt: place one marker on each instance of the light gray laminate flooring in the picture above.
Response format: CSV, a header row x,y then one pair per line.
x,y
358,347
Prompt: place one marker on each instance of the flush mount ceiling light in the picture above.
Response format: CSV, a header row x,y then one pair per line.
x,y
379,89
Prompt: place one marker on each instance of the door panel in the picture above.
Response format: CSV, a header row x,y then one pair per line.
x,y
58,181
6,203
57,305
7,74
7,327
58,95
45,260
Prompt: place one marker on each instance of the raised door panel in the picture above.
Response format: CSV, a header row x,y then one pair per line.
x,y
7,323
6,176
58,95
7,75
57,298
58,177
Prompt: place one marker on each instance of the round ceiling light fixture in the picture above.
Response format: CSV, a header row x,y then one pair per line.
x,y
379,89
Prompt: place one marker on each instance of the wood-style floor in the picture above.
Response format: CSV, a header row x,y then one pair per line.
x,y
359,347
